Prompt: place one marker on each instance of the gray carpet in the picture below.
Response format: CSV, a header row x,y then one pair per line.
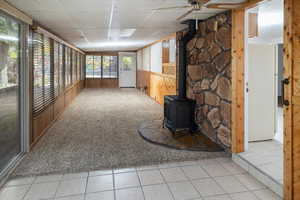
x,y
98,131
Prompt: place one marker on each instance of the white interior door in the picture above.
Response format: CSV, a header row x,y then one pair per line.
x,y
127,69
261,92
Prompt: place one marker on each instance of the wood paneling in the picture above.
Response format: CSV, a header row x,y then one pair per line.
x,y
143,81
169,68
102,83
237,108
158,85
45,119
292,94
161,85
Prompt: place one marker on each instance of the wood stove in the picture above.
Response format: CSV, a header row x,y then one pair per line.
x,y
179,111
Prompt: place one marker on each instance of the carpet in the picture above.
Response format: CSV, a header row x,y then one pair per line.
x,y
99,130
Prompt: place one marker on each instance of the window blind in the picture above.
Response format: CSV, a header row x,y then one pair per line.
x,y
61,69
38,78
56,68
68,66
48,77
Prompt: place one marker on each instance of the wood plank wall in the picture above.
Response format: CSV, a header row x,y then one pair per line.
x,y
292,95
238,59
45,119
157,85
102,83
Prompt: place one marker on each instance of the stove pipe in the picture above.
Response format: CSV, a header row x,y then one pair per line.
x,y
183,57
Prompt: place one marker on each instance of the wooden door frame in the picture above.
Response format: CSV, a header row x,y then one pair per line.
x,y
291,43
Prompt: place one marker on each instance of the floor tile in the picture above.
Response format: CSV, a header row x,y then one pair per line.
x,y
100,183
213,161
124,170
100,172
233,168
194,172
243,196
230,184
208,187
219,197
125,180
108,195
42,191
266,195
14,192
130,194
20,181
150,167
216,170
75,176
77,197
48,178
168,165
157,192
250,182
71,187
183,190
150,177
173,175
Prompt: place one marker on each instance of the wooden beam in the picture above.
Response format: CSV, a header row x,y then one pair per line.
x,y
238,62
6,7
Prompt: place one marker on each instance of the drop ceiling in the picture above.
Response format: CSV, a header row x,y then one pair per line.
x,y
108,25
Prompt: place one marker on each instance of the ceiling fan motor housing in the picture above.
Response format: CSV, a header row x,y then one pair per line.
x,y
193,2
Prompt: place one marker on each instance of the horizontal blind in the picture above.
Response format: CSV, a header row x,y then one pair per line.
x,y
67,68
48,73
38,78
56,68
61,69
78,66
74,66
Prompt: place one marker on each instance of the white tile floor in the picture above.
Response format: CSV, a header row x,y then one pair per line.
x,y
214,179
267,156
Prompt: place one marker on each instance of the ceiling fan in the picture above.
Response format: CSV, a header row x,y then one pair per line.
x,y
197,5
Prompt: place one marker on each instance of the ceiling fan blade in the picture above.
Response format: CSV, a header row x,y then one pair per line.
x,y
224,5
174,7
185,14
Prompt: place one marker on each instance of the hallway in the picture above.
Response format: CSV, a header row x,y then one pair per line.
x,y
98,131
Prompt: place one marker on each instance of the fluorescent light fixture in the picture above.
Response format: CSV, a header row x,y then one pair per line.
x,y
113,44
8,38
127,32
270,19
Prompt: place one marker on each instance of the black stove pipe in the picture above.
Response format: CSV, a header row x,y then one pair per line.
x,y
183,57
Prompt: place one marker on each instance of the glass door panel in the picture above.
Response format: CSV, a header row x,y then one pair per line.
x,y
10,137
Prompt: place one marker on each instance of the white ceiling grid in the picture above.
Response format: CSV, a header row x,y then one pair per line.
x,y
89,24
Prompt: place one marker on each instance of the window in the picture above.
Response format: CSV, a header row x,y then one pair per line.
x,y
97,66
56,68
110,66
68,66
43,90
38,83
74,66
61,68
101,66
89,66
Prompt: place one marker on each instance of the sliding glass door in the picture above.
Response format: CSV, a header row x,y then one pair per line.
x,y
10,132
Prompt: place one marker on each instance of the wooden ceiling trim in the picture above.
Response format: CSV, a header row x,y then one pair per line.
x,y
8,8
56,38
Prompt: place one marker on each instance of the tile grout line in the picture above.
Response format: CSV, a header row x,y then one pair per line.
x,y
141,185
166,183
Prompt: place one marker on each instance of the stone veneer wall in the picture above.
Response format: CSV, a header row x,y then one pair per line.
x,y
209,77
